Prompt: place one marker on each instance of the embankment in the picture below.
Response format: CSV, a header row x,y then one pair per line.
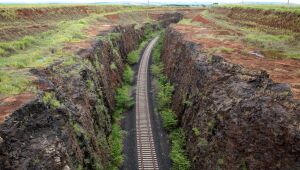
x,y
69,123
233,117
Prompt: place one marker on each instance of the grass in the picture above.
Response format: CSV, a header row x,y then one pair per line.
x,y
7,48
13,83
279,41
49,99
37,51
163,100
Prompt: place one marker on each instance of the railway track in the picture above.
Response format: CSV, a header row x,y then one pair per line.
x,y
146,152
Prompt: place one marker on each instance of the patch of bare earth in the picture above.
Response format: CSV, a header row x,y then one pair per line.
x,y
91,32
12,103
280,70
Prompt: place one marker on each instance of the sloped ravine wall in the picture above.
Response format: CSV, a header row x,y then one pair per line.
x,y
69,123
234,118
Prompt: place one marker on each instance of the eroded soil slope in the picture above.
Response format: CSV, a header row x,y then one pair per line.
x,y
233,117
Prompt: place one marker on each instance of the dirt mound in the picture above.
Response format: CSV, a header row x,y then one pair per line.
x,y
113,17
200,19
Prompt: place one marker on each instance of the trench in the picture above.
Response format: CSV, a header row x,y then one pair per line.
x,y
145,148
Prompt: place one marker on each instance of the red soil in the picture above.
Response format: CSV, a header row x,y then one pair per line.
x,y
200,19
35,12
113,17
10,104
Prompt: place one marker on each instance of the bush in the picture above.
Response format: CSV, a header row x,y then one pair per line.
x,y
116,146
180,161
156,70
123,99
133,57
169,119
164,95
128,74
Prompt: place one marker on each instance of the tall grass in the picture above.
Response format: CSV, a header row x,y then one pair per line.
x,y
163,100
12,83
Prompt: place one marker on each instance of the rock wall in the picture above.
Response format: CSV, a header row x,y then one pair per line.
x,y
234,118
68,125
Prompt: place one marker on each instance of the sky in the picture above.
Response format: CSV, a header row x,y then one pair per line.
x,y
139,1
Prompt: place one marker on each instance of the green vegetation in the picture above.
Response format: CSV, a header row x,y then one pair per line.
x,y
7,48
113,66
42,49
170,122
12,83
169,119
178,155
116,146
124,102
128,74
275,43
49,99
196,131
134,56
123,99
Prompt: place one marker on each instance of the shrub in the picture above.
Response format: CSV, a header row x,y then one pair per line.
x,y
156,70
169,119
123,99
50,99
180,160
116,146
133,57
164,95
128,74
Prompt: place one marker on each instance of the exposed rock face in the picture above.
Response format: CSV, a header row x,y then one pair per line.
x,y
234,118
72,129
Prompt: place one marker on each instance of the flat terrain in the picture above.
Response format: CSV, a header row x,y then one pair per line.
x,y
250,43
